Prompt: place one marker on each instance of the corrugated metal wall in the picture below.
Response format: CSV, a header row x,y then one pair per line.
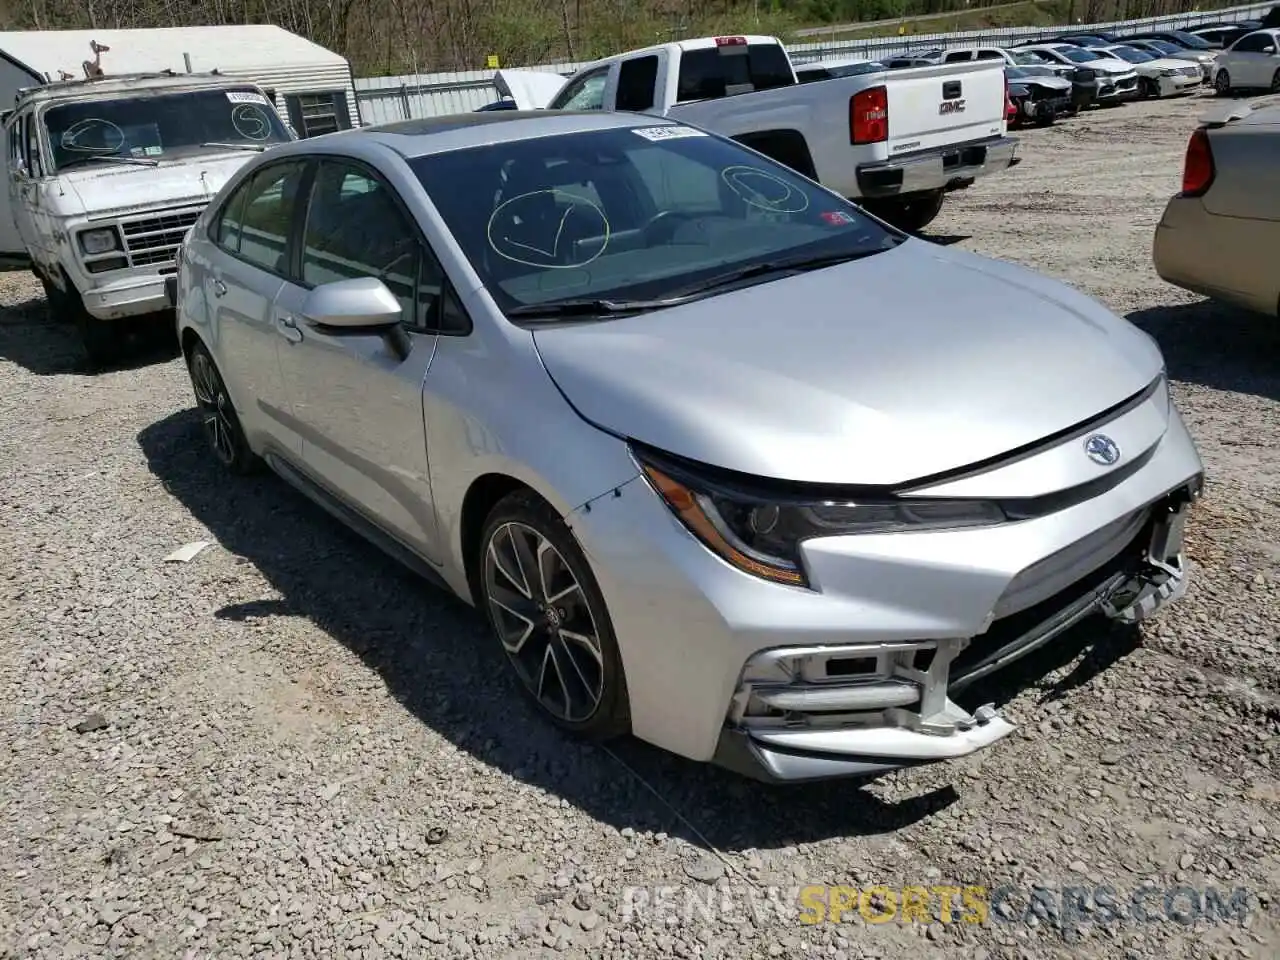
x,y
385,99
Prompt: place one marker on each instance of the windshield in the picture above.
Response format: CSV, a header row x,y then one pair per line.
x,y
1078,54
1191,40
1027,59
635,213
161,126
1163,46
856,69
1132,55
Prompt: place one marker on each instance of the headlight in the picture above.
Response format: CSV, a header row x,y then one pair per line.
x,y
760,533
102,240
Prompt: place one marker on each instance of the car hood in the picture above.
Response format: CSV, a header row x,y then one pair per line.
x,y
530,89
906,364
1048,82
1113,67
111,189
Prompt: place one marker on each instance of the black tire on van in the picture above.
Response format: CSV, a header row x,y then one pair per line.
x,y
99,338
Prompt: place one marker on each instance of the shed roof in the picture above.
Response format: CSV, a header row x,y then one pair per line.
x,y
229,47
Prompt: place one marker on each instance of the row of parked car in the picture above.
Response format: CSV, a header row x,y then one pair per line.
x,y
1050,77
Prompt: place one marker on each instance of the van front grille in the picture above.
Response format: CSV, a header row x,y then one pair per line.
x,y
152,240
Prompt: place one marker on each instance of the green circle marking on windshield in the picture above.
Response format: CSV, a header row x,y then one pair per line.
x,y
532,229
250,122
765,190
92,135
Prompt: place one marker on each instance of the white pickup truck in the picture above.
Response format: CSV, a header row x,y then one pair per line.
x,y
894,141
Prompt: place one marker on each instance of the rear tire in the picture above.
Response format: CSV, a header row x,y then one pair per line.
x,y
1222,84
912,213
218,419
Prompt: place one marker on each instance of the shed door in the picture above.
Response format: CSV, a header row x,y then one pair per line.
x,y
12,250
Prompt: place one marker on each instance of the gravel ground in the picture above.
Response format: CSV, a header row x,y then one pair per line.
x,y
290,747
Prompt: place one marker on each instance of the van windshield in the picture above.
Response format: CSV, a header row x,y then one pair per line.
x,y
161,126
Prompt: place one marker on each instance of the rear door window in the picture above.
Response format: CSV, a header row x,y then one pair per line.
x,y
720,71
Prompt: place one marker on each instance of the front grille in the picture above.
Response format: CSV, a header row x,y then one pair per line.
x,y
1128,84
152,240
1045,93
1192,71
1007,630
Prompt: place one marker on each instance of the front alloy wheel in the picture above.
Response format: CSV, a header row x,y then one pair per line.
x,y
1222,83
549,616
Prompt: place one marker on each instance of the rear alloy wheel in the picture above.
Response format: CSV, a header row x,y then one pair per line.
x,y
1222,83
218,417
546,610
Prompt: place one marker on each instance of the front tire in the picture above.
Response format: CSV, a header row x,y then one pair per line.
x,y
218,417
1275,82
546,610
1222,84
911,214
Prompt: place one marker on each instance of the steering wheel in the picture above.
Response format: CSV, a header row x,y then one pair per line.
x,y
663,224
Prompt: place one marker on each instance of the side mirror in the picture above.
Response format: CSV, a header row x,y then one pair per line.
x,y
1268,49
360,305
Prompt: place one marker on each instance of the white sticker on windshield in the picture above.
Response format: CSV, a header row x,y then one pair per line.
x,y
673,132
244,96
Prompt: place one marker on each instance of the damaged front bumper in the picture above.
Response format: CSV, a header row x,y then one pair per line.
x,y
808,713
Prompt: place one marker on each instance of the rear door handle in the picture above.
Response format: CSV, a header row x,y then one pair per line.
x,y
219,288
288,328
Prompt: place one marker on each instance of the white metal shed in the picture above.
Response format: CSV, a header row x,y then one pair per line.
x,y
312,86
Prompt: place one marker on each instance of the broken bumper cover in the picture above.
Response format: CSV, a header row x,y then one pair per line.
x,y
942,168
863,709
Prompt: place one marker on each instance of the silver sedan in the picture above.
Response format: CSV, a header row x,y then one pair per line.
x,y
725,462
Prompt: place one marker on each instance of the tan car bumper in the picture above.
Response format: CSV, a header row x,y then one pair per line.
x,y
1227,258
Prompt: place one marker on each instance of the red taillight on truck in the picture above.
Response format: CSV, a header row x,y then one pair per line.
x,y
1197,168
869,116
731,41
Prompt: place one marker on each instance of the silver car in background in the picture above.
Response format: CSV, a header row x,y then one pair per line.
x,y
725,462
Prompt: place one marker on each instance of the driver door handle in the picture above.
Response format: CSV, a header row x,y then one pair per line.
x,y
288,328
219,288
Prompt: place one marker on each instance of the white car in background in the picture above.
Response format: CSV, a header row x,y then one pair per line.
x,y
1205,59
1252,62
1115,81
1157,76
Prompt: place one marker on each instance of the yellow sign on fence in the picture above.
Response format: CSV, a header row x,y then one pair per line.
x,y
491,61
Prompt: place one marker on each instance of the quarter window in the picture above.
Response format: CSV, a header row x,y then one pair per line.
x,y
256,221
636,81
355,228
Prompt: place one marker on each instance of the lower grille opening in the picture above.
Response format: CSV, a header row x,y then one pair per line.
x,y
850,666
1008,629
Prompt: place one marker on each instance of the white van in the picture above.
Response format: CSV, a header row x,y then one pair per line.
x,y
105,176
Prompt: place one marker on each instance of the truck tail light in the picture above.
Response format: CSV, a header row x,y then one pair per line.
x,y
869,116
1197,168
731,41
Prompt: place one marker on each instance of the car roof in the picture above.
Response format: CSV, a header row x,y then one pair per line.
x,y
431,135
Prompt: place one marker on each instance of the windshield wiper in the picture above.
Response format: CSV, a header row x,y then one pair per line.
x,y
565,309
110,158
255,147
784,265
